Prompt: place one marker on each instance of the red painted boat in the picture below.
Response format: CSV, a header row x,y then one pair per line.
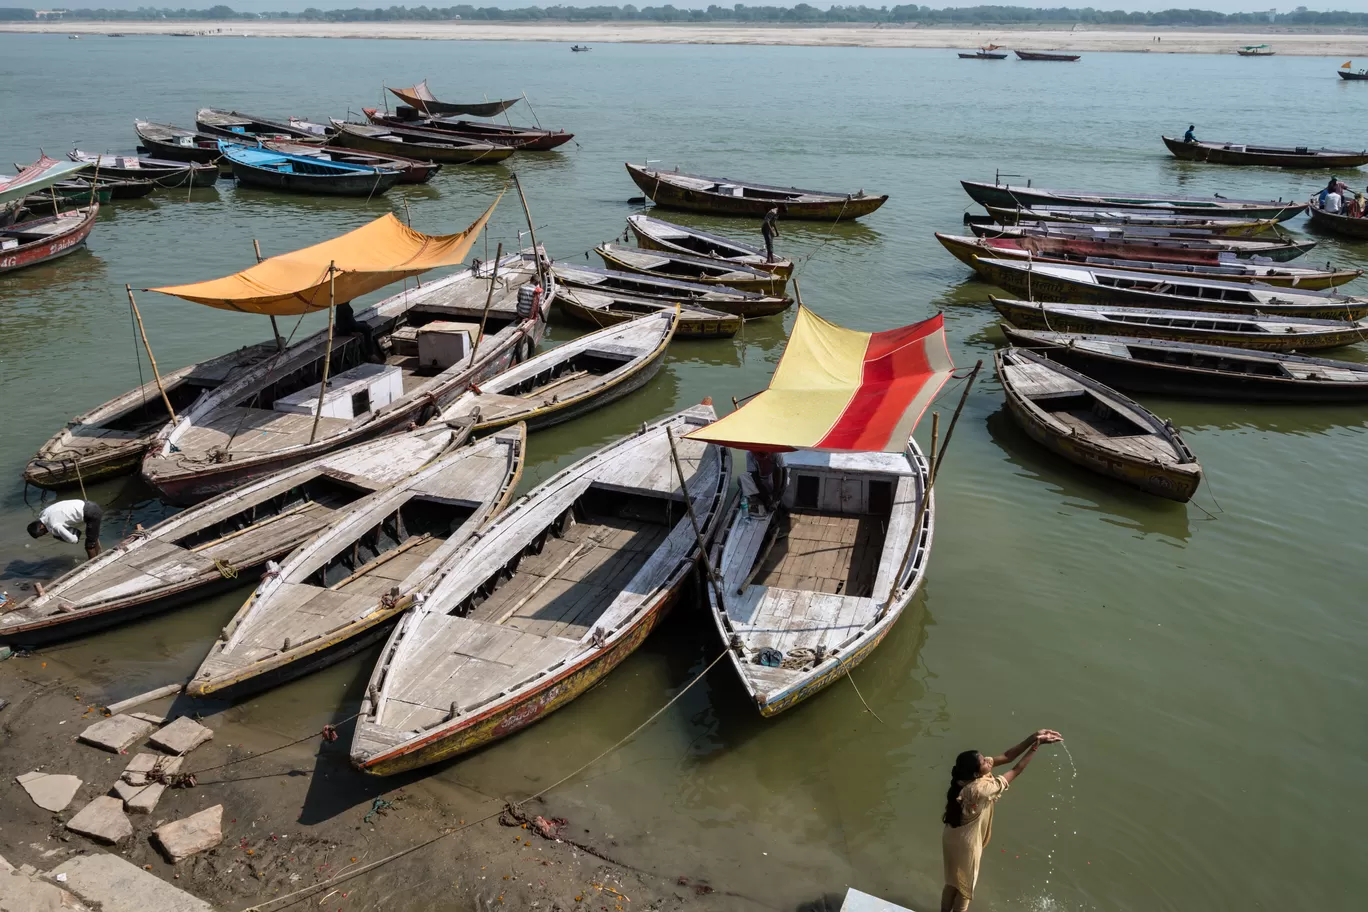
x,y
39,240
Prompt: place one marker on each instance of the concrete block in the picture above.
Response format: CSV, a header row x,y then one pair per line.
x,y
117,885
50,792
20,892
102,820
146,799
142,764
181,736
183,838
855,901
117,733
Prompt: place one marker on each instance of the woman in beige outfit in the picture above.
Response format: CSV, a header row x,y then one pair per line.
x,y
974,791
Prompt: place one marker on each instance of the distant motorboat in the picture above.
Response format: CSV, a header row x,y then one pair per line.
x,y
580,47
1255,50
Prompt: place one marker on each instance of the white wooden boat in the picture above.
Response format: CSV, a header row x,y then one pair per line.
x,y
812,586
343,589
221,542
545,601
571,379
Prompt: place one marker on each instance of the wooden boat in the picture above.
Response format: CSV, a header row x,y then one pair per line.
x,y
1015,196
162,172
1254,331
86,191
725,196
256,166
571,379
438,147
264,420
252,129
689,268
1353,75
1172,244
220,543
411,170
1096,427
1168,368
968,250
746,304
605,310
580,48
420,98
346,587
40,240
1120,287
1335,222
524,139
1255,50
1047,55
550,597
987,52
1223,153
176,143
1082,215
110,440
656,234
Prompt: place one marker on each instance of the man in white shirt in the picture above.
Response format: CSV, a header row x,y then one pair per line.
x,y
1333,203
64,519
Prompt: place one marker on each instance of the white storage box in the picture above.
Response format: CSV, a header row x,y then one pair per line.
x,y
354,392
443,343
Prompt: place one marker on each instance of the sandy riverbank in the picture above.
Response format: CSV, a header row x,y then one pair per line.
x,y
1174,41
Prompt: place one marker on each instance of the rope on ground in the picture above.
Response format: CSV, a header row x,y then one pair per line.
x,y
329,733
295,896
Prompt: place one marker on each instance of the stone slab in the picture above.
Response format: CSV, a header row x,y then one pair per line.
x,y
181,736
136,771
117,733
183,838
146,799
102,820
49,791
21,892
117,885
855,901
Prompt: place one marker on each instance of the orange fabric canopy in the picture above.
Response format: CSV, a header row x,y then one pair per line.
x,y
838,389
360,261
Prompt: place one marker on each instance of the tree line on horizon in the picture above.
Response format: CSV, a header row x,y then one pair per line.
x,y
802,13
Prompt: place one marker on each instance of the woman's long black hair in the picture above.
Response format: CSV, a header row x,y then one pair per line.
x,y
966,769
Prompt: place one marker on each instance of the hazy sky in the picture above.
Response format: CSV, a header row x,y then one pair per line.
x,y
1227,6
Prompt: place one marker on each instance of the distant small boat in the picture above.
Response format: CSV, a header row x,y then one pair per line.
x,y
1353,75
37,241
74,37
578,47
1046,55
984,53
1255,50
260,167
420,97
1222,153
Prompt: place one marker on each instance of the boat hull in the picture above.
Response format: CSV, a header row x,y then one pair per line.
x,y
693,324
316,184
1226,154
672,196
1003,196
771,284
1338,224
37,252
446,155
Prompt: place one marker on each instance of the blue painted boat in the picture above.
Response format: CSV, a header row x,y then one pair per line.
x,y
258,167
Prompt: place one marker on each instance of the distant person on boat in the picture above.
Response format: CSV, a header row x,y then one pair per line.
x,y
63,521
770,229
974,792
1190,136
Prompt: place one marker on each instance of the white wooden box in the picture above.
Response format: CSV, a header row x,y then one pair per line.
x,y
354,392
443,343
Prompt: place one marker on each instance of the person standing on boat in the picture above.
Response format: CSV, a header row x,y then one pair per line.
x,y
63,521
974,792
1190,136
769,227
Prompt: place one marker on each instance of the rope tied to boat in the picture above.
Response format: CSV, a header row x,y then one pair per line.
x,y
225,569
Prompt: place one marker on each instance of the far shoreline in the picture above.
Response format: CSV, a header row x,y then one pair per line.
x,y
1286,42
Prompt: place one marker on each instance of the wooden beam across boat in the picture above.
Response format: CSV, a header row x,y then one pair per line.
x,y
727,196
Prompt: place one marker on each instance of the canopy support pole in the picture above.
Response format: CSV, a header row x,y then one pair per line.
x,y
155,373
275,330
693,519
533,110
489,299
536,251
327,356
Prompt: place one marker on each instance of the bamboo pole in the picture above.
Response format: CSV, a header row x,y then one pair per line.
x,y
489,299
275,330
536,251
693,519
533,110
155,373
935,437
327,354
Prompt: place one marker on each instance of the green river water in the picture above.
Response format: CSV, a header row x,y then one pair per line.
x,y
1205,662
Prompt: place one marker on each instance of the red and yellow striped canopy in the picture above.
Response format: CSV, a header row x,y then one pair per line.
x,y
838,389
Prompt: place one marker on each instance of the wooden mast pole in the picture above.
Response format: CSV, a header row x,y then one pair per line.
x,y
275,330
489,299
327,355
155,373
536,251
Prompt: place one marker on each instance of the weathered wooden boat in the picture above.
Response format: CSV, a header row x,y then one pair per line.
x,y
969,250
176,143
725,196
110,440
160,171
412,171
1224,153
524,139
550,597
346,587
420,98
605,310
1047,55
1253,331
267,418
1129,242
1015,196
1084,215
1096,427
86,190
571,379
220,543
1094,285
252,129
1255,50
257,166
438,147
688,268
1185,369
987,52
40,240
1336,222
656,234
746,304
